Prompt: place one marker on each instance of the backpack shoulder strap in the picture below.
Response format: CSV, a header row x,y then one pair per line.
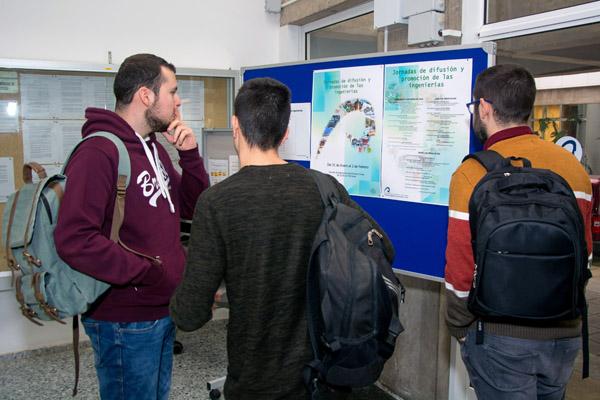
x,y
490,159
123,177
329,192
124,167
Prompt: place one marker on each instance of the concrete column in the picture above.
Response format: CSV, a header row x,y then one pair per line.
x,y
419,368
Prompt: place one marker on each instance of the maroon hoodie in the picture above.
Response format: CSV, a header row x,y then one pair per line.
x,y
141,289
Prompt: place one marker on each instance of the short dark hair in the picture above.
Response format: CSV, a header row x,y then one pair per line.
x,y
511,90
139,70
262,107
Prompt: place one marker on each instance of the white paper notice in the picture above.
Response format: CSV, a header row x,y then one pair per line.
x,y
71,98
197,127
297,145
426,128
39,142
9,116
234,164
100,92
7,178
346,120
9,82
217,170
191,93
64,96
69,134
37,91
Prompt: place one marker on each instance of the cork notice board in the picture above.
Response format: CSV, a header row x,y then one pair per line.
x,y
42,111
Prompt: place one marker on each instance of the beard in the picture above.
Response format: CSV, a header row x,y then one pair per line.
x,y
155,123
479,129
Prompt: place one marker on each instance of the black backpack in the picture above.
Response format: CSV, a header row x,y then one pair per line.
x,y
352,298
531,262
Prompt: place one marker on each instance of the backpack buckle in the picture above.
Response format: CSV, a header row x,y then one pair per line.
x,y
31,259
30,314
335,346
25,309
50,311
13,265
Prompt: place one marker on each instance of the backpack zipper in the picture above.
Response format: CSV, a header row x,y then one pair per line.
x,y
370,236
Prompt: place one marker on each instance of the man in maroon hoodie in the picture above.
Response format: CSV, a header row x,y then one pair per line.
x,y
129,327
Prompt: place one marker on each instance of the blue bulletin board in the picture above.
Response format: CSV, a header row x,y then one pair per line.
x,y
417,229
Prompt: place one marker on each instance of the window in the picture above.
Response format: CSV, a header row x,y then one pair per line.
x,y
502,10
353,36
562,112
552,122
564,51
554,38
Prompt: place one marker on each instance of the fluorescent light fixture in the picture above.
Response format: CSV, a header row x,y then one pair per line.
x,y
11,108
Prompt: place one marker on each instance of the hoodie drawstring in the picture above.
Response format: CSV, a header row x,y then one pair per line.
x,y
160,179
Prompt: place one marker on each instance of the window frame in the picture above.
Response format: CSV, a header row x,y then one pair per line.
x,y
568,17
336,18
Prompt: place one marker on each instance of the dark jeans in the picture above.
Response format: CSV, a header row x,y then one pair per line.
x,y
134,359
519,369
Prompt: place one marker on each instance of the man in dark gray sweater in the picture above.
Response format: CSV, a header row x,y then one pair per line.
x,y
254,231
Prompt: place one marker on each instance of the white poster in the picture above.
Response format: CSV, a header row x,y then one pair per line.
x,y
50,141
68,134
64,96
297,145
7,178
38,96
346,127
9,116
191,93
99,92
9,82
197,127
71,98
426,128
217,170
234,164
39,142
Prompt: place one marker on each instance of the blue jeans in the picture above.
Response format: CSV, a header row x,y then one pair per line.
x,y
133,359
519,369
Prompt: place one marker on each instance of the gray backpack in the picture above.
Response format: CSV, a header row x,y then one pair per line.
x,y
46,287
352,298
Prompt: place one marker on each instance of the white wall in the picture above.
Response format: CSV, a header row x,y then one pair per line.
x,y
218,34
189,33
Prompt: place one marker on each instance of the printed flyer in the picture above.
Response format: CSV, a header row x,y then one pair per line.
x,y
346,128
425,128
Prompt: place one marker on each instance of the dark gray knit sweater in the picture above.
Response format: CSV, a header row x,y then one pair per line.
x,y
255,230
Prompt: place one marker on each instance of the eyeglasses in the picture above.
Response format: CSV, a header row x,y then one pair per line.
x,y
471,105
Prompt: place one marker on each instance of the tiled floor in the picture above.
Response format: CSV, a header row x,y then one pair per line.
x,y
48,374
589,389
